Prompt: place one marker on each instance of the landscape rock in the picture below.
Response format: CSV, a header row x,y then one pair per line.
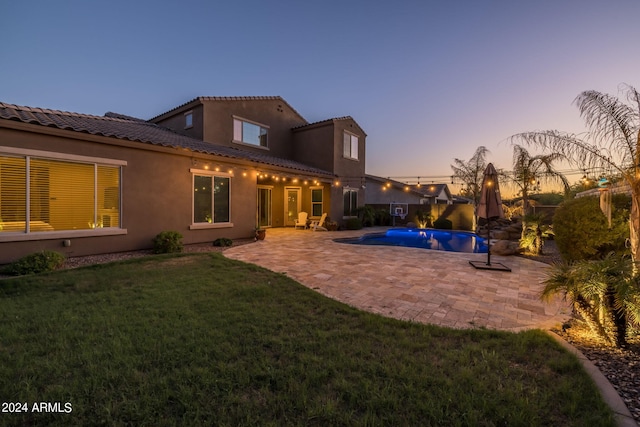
x,y
505,247
500,234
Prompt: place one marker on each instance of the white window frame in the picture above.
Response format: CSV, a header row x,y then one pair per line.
x,y
188,119
238,136
351,144
50,155
207,225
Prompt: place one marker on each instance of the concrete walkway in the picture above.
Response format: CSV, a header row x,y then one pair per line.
x,y
420,285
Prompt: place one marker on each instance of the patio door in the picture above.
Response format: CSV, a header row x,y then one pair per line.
x,y
264,206
292,204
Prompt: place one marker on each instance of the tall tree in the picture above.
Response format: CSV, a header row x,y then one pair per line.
x,y
530,171
612,142
470,174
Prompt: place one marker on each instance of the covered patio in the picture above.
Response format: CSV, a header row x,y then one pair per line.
x,y
412,284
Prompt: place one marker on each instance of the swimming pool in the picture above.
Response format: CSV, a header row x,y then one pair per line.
x,y
426,238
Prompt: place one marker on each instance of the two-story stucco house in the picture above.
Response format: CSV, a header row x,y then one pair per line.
x,y
212,167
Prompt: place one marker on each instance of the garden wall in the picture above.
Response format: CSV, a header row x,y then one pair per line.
x,y
460,215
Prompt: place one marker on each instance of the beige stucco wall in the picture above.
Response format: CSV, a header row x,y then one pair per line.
x,y
156,194
214,122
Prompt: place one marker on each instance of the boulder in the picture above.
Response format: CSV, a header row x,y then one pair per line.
x,y
505,247
514,228
500,234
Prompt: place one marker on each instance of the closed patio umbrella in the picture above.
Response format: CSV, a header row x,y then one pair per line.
x,y
490,208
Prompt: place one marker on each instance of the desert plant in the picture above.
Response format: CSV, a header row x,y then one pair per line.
x,y
529,170
35,263
167,242
223,241
353,224
612,143
535,232
581,229
423,219
470,173
604,293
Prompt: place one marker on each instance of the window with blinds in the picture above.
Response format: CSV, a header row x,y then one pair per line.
x,y
41,195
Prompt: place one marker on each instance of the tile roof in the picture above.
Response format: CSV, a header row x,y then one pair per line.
x,y
123,127
327,121
202,99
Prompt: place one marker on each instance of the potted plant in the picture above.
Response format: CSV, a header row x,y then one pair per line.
x,y
330,225
261,233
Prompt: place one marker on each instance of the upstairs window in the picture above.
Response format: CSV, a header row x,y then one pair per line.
x,y
350,147
188,119
250,133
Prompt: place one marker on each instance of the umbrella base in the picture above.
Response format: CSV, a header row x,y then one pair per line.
x,y
481,265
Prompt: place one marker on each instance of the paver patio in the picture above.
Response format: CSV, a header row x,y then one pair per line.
x,y
414,284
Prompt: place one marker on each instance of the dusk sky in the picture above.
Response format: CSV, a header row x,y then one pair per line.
x,y
428,81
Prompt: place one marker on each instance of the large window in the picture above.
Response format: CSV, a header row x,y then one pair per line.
x,y
250,133
350,201
316,201
43,195
350,146
211,198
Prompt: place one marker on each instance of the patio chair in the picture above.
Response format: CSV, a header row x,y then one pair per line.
x,y
301,221
319,224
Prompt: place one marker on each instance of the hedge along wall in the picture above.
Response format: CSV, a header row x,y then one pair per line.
x,y
460,215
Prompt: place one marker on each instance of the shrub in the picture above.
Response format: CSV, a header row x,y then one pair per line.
x,y
443,224
582,232
36,263
167,242
383,217
353,224
367,215
223,241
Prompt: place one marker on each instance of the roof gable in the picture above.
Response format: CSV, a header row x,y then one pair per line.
x,y
329,122
202,99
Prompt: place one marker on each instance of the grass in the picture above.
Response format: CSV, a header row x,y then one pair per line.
x,y
203,340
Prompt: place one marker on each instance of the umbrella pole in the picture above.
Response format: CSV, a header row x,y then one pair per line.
x,y
488,241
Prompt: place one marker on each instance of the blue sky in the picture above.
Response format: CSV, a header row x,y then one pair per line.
x,y
429,81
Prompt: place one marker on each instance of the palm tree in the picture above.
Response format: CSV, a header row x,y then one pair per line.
x,y
529,171
471,173
604,293
611,143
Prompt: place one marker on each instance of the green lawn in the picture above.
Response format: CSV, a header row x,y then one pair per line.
x,y
202,340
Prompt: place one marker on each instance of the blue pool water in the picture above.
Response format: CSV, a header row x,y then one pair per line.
x,y
426,238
